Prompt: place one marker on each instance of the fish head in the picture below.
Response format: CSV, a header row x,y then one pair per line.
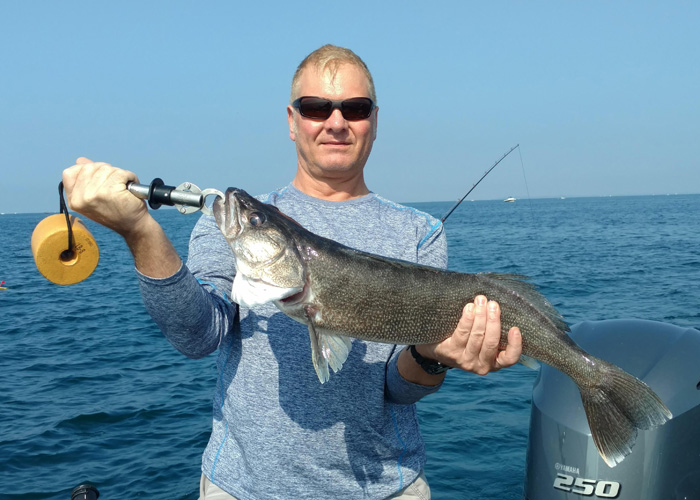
x,y
266,254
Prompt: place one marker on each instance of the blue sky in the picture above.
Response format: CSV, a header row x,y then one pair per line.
x,y
602,96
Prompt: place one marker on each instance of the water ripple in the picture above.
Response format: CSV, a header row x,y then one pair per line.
x,y
92,391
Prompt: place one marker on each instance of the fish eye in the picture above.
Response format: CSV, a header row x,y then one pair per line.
x,y
256,219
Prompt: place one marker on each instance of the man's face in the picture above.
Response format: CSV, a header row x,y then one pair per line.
x,y
334,148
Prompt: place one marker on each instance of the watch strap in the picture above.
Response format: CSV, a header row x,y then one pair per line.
x,y
429,366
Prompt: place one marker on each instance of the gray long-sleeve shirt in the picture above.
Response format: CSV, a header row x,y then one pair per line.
x,y
278,433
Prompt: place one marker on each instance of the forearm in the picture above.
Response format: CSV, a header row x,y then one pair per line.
x,y
191,306
407,389
410,370
154,254
192,318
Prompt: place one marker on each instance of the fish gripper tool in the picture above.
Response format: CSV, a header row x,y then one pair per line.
x,y
186,197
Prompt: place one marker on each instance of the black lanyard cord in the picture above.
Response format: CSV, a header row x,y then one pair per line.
x,y
69,253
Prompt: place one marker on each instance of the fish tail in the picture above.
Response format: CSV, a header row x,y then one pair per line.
x,y
618,406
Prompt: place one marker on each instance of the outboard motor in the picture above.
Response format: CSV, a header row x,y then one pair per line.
x,y
562,461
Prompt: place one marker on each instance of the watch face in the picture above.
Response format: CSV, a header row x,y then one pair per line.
x,y
435,368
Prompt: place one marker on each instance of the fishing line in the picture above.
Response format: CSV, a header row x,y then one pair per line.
x,y
537,239
527,189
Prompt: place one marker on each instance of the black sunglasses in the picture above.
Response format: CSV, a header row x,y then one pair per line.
x,y
319,108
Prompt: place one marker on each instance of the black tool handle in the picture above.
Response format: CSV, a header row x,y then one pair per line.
x,y
158,194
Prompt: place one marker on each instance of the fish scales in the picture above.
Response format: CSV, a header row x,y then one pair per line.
x,y
385,300
340,293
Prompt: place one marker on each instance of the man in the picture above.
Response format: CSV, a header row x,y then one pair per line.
x,y
277,432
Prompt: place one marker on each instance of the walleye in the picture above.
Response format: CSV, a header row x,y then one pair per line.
x,y
340,293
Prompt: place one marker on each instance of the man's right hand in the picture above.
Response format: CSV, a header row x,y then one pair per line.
x,y
98,191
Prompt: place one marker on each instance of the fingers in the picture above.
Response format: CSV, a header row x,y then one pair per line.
x,y
492,335
464,327
513,350
87,180
475,345
70,174
84,183
98,191
485,326
481,348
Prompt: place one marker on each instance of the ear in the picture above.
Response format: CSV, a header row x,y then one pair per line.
x,y
376,122
290,119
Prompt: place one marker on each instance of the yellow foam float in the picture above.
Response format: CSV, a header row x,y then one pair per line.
x,y
54,260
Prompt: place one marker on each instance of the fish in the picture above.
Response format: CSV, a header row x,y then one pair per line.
x,y
342,293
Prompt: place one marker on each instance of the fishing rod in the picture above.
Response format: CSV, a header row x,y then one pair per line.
x,y
477,183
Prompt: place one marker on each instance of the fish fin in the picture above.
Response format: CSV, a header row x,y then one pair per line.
x,y
249,293
529,362
529,291
616,408
327,349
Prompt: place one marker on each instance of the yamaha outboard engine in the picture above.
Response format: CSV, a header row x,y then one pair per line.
x,y
562,461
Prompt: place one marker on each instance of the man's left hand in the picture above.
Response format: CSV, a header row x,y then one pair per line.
x,y
474,345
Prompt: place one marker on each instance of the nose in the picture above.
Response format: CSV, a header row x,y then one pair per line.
x,y
336,122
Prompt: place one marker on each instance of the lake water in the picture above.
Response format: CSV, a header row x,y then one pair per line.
x,y
91,391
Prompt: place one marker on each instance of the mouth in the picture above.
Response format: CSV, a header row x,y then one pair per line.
x,y
335,141
296,298
228,214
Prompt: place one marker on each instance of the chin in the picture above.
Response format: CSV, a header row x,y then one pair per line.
x,y
337,167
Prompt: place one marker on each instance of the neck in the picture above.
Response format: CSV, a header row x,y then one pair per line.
x,y
331,189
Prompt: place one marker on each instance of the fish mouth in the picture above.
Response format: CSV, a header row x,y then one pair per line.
x,y
228,214
297,298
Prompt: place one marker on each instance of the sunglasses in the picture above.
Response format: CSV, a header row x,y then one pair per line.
x,y
319,108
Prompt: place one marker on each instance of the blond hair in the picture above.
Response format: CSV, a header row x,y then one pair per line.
x,y
330,58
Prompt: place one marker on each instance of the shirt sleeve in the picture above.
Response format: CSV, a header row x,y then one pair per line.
x,y
431,251
192,307
432,248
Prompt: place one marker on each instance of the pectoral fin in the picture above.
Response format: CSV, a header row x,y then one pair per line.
x,y
327,349
529,362
251,293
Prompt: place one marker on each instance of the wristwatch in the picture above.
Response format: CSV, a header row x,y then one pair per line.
x,y
430,366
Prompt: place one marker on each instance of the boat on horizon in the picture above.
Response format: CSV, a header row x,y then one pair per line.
x,y
510,200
